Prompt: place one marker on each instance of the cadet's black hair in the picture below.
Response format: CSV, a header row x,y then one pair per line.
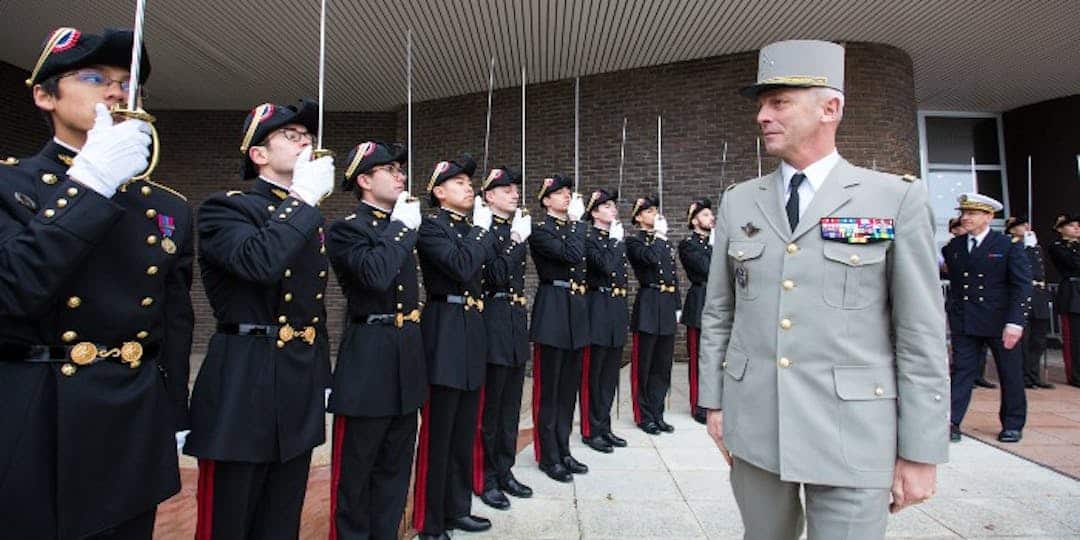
x,y
50,86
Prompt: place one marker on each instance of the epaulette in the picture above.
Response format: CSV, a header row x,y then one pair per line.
x,y
10,161
350,217
167,188
1015,239
909,177
231,193
433,215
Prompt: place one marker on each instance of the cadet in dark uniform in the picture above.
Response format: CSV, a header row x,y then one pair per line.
x,y
560,325
508,343
1065,254
653,318
380,379
695,253
988,303
96,312
453,250
257,408
1038,322
608,320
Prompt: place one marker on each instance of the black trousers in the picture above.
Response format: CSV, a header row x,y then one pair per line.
x,y
251,500
651,378
369,483
140,527
599,377
556,375
1034,347
1070,350
1009,362
444,458
501,413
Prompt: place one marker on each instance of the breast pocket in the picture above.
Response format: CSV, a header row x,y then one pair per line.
x,y
745,258
854,274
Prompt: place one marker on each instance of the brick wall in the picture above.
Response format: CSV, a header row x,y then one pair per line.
x,y
698,100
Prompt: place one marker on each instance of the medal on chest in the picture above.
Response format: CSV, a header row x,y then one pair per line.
x,y
167,226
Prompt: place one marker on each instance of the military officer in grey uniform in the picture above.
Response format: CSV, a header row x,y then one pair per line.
x,y
823,318
257,408
1038,321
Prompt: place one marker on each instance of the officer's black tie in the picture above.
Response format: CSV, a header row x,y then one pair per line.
x,y
793,200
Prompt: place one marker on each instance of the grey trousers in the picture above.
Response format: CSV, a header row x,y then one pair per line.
x,y
771,508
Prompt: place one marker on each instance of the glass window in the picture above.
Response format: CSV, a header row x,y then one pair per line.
x,y
956,140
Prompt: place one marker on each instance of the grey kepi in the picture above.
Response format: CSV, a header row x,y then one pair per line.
x,y
799,63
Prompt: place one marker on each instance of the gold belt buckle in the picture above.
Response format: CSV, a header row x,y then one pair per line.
x,y
131,353
86,353
83,354
286,333
477,303
309,335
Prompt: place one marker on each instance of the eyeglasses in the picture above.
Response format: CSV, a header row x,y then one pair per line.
x,y
294,135
392,168
97,79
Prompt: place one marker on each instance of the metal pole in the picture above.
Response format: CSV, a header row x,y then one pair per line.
x,y
322,71
408,101
487,130
622,159
660,162
577,130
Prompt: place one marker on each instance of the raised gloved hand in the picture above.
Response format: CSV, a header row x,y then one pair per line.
x,y
660,227
1030,240
113,153
712,236
616,232
481,214
576,208
312,179
406,211
521,226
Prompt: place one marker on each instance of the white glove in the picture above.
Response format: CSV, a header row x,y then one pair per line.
x,y
616,232
712,236
181,437
576,208
521,226
113,153
660,227
312,179
406,211
1030,240
481,214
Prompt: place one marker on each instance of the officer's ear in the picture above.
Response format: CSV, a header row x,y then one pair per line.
x,y
439,192
259,155
363,180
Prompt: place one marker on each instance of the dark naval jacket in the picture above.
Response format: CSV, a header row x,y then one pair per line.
x,y
259,394
657,299
504,299
1040,295
103,282
560,314
695,253
1066,258
452,257
607,276
989,287
380,369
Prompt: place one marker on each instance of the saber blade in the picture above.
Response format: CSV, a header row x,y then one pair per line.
x,y
136,54
322,70
487,129
622,159
408,101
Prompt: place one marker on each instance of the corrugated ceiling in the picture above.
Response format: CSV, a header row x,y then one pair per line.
x,y
977,55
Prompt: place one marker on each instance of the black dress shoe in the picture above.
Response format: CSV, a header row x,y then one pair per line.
x,y
664,426
615,440
650,427
574,465
983,383
699,416
495,499
469,523
598,444
557,472
1045,385
1010,435
512,487
954,433
441,536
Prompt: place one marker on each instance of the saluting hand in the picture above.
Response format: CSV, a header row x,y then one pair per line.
x,y
521,226
616,232
312,180
660,228
576,208
407,211
481,214
113,152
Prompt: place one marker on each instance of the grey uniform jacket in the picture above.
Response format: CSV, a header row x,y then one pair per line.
x,y
827,358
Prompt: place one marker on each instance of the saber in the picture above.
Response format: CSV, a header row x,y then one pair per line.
x,y
408,101
1031,218
523,192
759,157
577,130
660,162
487,130
322,71
622,159
132,108
723,168
974,177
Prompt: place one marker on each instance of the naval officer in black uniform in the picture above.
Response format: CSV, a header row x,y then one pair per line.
x,y
608,320
653,317
560,325
380,379
453,251
989,296
257,408
508,342
97,318
695,253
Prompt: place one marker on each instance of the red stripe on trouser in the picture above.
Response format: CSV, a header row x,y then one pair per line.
x,y
586,426
692,335
1066,348
204,496
634,379
335,471
422,451
478,448
536,402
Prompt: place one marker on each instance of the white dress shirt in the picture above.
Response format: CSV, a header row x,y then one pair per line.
x,y
816,173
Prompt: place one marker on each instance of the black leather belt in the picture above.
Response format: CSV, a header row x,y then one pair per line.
x,y
575,288
692,284
465,301
81,354
613,291
396,319
284,332
661,288
508,296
